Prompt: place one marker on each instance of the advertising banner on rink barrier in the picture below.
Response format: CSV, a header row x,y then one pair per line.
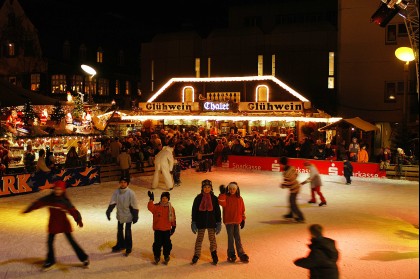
x,y
367,170
25,183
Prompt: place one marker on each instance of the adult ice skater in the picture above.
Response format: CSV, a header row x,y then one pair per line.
x,y
164,162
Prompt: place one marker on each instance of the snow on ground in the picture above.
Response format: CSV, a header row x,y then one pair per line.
x,y
374,222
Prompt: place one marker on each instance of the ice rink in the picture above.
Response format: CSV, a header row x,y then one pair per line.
x,y
374,222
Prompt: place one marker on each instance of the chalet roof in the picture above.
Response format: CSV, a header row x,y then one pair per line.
x,y
357,122
169,92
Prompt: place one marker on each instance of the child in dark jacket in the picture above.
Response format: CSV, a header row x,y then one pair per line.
x,y
233,217
164,225
348,170
59,205
322,259
206,215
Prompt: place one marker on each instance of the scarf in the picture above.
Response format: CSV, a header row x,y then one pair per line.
x,y
206,203
169,205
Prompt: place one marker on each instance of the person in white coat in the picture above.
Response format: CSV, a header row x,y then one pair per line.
x,y
164,163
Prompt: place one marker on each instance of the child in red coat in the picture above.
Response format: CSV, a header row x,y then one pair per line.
x,y
164,225
233,218
59,205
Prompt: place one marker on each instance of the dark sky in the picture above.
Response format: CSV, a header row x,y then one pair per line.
x,y
123,17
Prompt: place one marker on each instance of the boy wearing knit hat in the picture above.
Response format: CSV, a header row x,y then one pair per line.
x,y
206,215
164,225
127,212
59,205
233,217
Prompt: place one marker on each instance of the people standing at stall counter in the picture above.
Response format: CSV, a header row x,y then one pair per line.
x,y
59,205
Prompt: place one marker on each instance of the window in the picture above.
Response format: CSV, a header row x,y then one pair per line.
x,y
117,87
77,83
35,82
103,87
11,49
391,34
262,93
127,87
188,94
390,92
331,72
90,86
402,30
58,84
100,55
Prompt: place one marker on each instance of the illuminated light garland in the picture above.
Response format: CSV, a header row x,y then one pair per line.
x,y
228,79
231,118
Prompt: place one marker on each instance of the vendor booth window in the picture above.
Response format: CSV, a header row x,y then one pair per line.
x,y
261,94
35,82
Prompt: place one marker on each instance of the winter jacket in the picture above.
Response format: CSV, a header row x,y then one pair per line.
x,y
290,179
348,168
233,208
160,213
59,206
124,198
363,156
206,219
314,177
322,259
124,159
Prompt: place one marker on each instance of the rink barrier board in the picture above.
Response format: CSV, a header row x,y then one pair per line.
x,y
408,171
26,183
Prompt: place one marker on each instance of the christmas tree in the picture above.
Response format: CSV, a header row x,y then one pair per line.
x,y
78,107
57,113
28,113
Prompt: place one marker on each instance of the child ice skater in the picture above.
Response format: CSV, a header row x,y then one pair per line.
x,y
206,215
164,225
348,170
316,183
59,205
127,212
233,217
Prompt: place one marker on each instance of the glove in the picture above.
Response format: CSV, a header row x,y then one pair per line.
x,y
135,213
218,227
242,224
151,195
173,230
109,210
194,227
80,223
222,189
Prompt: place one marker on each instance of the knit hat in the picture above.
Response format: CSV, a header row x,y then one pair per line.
x,y
206,182
60,184
234,185
126,179
165,194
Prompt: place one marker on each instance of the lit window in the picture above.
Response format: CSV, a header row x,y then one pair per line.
x,y
99,56
117,87
11,49
58,84
35,82
390,92
331,73
127,87
103,88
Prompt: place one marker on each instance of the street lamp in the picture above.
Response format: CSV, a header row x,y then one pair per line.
x,y
92,72
406,55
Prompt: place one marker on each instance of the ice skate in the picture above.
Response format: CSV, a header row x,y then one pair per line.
x,y
214,257
86,263
231,258
244,258
166,260
156,260
288,216
48,266
194,259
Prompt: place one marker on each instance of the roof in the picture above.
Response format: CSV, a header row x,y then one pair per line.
x,y
356,122
12,95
